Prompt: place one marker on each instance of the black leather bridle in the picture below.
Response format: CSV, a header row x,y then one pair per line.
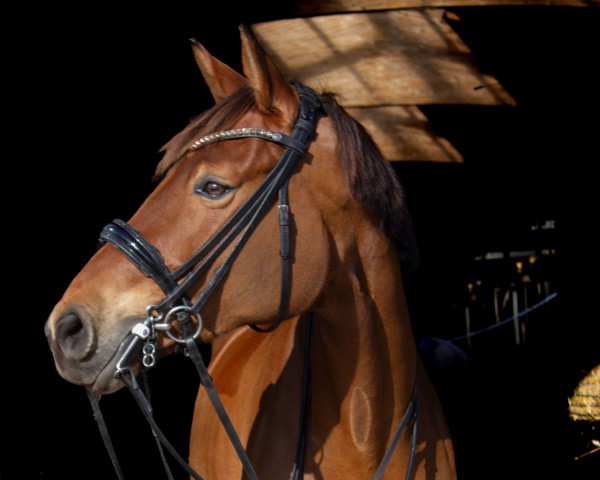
x,y
176,306
238,227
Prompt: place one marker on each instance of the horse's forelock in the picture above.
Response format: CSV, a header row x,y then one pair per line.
x,y
373,181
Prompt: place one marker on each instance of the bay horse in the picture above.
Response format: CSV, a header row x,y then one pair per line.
x,y
278,234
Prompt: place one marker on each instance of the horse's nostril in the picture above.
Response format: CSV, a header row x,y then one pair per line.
x,y
72,336
70,325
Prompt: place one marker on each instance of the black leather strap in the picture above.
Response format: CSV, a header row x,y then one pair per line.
x,y
146,408
95,403
138,251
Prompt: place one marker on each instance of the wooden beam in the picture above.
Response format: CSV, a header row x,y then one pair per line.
x,y
312,7
404,134
400,57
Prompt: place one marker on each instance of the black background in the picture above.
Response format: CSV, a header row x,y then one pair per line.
x,y
92,93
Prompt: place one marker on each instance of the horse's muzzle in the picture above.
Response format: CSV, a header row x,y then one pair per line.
x,y
78,355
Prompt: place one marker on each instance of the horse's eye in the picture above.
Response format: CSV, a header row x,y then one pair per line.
x,y
212,189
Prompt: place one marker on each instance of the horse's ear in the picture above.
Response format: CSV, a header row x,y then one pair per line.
x,y
271,89
221,79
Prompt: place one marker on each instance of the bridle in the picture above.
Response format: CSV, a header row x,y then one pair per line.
x,y
238,227
176,307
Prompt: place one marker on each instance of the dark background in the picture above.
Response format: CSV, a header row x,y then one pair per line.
x,y
92,93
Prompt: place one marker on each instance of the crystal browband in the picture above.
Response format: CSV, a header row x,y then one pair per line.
x,y
269,135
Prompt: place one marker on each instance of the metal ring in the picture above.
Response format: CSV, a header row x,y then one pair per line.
x,y
178,309
153,314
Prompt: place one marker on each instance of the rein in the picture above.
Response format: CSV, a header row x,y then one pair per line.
x,y
177,307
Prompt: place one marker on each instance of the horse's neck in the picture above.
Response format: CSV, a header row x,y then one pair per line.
x,y
362,372
364,356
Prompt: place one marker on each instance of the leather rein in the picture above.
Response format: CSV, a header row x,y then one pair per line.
x,y
176,307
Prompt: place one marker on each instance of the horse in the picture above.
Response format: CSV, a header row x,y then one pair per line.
x,y
277,234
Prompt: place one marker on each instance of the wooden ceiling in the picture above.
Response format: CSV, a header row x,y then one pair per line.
x,y
303,7
385,58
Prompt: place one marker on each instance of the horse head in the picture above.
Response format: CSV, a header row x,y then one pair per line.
x,y
202,184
